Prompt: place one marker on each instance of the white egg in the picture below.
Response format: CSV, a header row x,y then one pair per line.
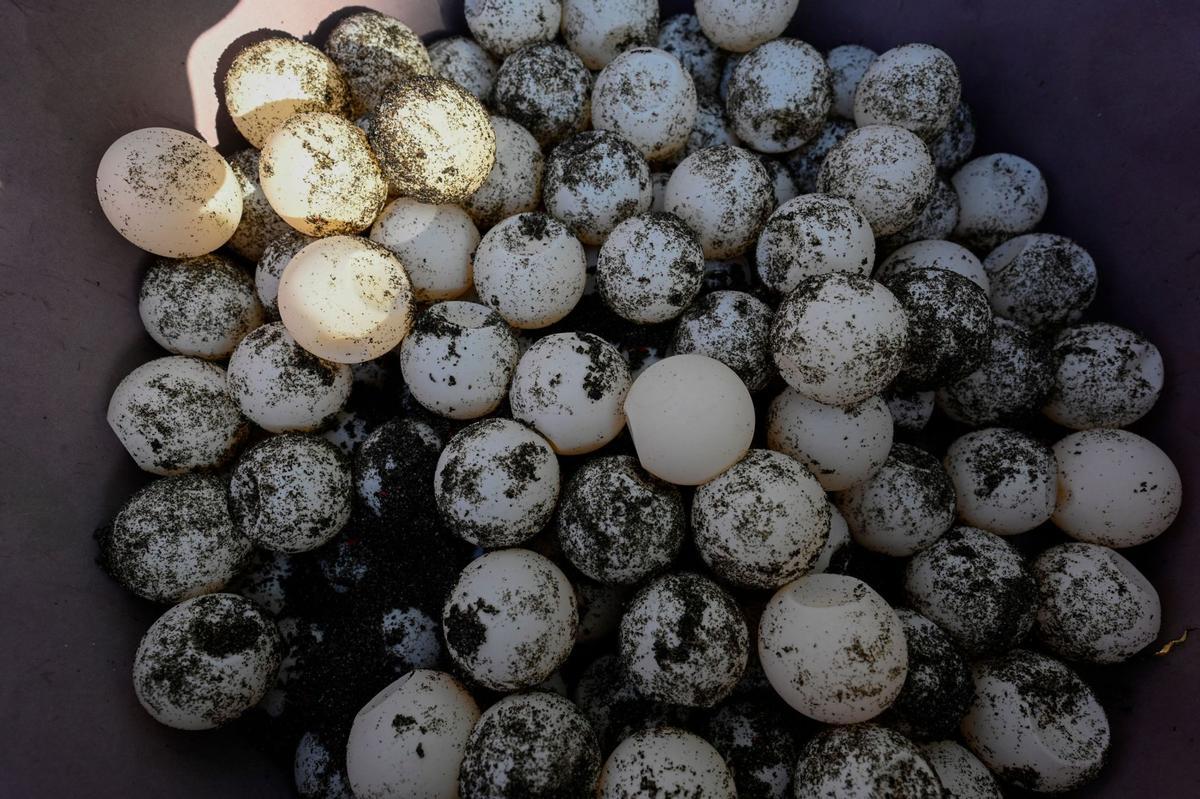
x,y
496,483
514,186
842,447
505,26
734,328
936,222
739,26
393,473
409,740
681,36
1104,376
435,243
175,415
762,522
594,181
662,763
839,338
814,234
316,771
463,61
1041,280
779,95
168,192
206,661
832,648
781,181
650,268
648,98
863,760
373,51
547,89
530,269
913,86
886,171
280,386
724,194
270,267
1114,488
910,410
952,147
200,306
999,196
691,418
847,65
260,225
934,254
1010,383
510,619
710,129
961,774
599,30
1035,723
832,555
1006,481
805,162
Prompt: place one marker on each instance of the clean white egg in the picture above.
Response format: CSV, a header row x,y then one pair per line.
x,y
665,762
841,447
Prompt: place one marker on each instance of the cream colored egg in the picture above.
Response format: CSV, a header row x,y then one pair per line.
x,y
647,97
725,195
650,268
934,254
863,760
598,31
505,26
739,26
914,86
1006,481
665,762
842,447
463,61
847,65
514,186
691,418
960,772
885,171
999,196
373,51
530,269
168,192
1104,376
594,181
434,242
811,235
779,96
546,88
260,225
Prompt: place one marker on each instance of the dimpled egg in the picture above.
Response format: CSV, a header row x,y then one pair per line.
x,y
936,222
690,417
200,306
739,26
175,414
546,89
410,739
1035,724
999,196
594,181
531,270
839,338
1005,480
458,359
680,35
599,30
903,507
505,26
373,51
168,192
514,186
976,587
650,268
463,61
291,493
938,688
913,86
734,328
665,762
274,260
847,65
510,619
961,774
886,171
840,446
683,640
530,746
280,386
1104,376
206,661
724,194
496,483
260,225
647,97
813,234
759,746
434,243
1114,488
805,162
762,522
779,95
1010,383
1041,280
832,648
934,254
863,760
393,473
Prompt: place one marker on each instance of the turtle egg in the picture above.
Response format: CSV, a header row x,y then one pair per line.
x,y
934,254
936,222
1104,376
738,26
570,387
514,186
505,26
952,147
805,162
206,661
650,268
999,196
781,180
762,522
373,51
779,95
530,269
847,65
961,774
435,243
911,410
1035,724
832,648
594,181
1005,481
393,472
665,762
346,299
463,61
1041,280
690,417
274,260
710,129
839,338
614,706
546,89
734,328
409,740
681,36
914,86
599,30
168,192
458,359
842,447
813,234
1114,488
833,555
260,225
411,638
496,483
759,746
886,171
510,619
175,414
646,96
863,760
938,689
724,194
1010,383
199,306
319,772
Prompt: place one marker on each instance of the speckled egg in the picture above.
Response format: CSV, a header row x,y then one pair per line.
x,y
711,128
936,221
681,36
758,745
463,61
647,97
318,771
374,51
734,328
913,86
615,708
435,244
594,181
840,446
739,26
938,689
1041,280
814,234
393,473
200,306
665,762
260,225
725,196
270,267
781,180
999,196
1009,384
650,268
505,26
805,162
911,410
961,773
599,30
934,254
847,65
546,89
514,186
886,171
1005,480
779,95
1104,376
863,760
953,146
834,554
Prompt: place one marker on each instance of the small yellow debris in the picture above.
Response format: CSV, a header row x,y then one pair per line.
x,y
1169,645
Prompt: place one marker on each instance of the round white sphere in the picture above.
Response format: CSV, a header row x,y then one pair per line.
x,y
1104,376
913,86
738,26
735,328
934,254
725,195
463,61
960,772
1010,383
779,95
813,234
599,30
647,97
681,36
260,225
547,89
863,760
505,26
594,181
514,186
372,51
936,221
847,65
435,243
885,171
999,196
1005,480
662,763
841,447
650,268
1041,280
200,306
275,258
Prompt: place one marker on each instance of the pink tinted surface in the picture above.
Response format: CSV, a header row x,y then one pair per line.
x,y
1102,95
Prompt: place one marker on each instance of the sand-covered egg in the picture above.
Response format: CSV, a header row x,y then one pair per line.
x,y
739,27
913,86
318,770
647,97
291,493
535,745
724,194
805,162
280,386
505,26
762,522
546,89
1104,376
690,417
373,51
206,661
681,36
393,473
863,760
434,243
259,225
911,410
346,299
886,171
496,483
571,388
847,64
615,708
1035,723
530,269
976,587
594,181
510,619
711,128
168,192
734,328
1009,384
662,763
410,739
832,648
1114,488
176,414
514,186
934,254
839,338
953,146
274,260
782,183
199,306
779,96
961,774
759,747
458,359
938,688
1005,480
650,267
840,446
462,60
999,196
936,222
598,31
683,640
174,539
1041,280
813,234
